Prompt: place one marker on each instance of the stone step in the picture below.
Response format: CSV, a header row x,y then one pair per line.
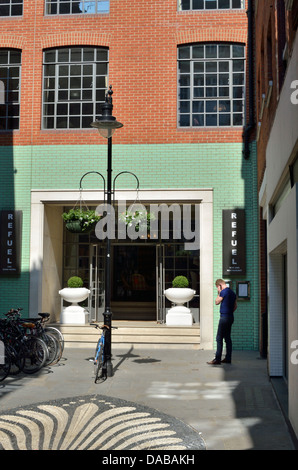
x,y
150,334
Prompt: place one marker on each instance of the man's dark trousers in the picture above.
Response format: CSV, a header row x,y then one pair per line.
x,y
224,333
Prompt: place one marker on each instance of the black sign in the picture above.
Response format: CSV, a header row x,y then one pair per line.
x,y
10,242
234,242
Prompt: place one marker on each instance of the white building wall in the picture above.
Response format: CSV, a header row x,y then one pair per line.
x,y
282,235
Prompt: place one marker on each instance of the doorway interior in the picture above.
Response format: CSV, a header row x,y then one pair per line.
x,y
140,274
134,282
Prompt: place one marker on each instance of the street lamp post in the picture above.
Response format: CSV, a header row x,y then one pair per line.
x,y
106,126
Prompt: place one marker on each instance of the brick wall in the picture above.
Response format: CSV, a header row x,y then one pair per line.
x,y
142,40
274,36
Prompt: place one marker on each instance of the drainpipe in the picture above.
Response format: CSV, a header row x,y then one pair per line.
x,y
250,126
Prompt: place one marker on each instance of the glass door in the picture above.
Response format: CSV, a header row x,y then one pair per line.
x,y
97,282
160,284
173,260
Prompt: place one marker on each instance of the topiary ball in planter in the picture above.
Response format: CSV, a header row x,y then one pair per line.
x,y
74,293
180,293
75,281
180,282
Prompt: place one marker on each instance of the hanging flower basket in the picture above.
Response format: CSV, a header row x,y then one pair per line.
x,y
80,221
139,219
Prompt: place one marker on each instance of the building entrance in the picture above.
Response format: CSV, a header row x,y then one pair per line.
x,y
140,274
134,282
141,269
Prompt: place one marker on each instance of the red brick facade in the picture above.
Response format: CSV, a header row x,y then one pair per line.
x,y
142,39
275,32
275,26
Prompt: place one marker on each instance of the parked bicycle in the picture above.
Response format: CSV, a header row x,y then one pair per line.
x,y
100,359
29,352
29,344
5,361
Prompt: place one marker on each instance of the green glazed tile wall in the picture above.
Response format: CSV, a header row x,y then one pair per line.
x,y
218,166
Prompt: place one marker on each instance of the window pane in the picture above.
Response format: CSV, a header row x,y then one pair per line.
x,y
237,119
224,51
237,3
211,67
64,8
184,4
184,93
198,106
198,80
224,120
184,106
184,120
184,52
198,120
211,51
238,65
223,3
184,66
211,119
211,79
238,51
211,106
198,52
238,79
198,4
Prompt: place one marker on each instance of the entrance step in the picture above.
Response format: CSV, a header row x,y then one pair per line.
x,y
139,311
142,334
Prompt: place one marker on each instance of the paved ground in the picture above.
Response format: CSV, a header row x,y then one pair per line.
x,y
157,399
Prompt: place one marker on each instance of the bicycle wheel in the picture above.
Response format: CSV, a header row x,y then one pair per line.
x,y
17,358
57,333
99,357
5,365
35,352
53,346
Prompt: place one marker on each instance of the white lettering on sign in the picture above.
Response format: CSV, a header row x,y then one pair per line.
x,y
10,241
234,241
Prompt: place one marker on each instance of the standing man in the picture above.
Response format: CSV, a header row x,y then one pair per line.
x,y
226,298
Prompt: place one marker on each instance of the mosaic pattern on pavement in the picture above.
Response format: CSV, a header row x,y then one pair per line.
x,y
94,423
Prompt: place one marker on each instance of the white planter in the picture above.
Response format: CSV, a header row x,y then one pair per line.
x,y
179,315
74,314
179,296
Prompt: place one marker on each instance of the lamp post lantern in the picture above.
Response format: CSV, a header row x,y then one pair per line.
x,y
106,125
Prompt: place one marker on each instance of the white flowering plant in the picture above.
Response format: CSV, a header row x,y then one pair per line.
x,y
139,219
79,220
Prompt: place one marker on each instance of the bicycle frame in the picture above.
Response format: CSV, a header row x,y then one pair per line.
x,y
99,356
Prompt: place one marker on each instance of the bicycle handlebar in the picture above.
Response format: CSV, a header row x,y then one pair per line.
x,y
103,326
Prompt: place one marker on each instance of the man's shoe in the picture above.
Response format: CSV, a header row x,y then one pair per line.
x,y
215,362
225,361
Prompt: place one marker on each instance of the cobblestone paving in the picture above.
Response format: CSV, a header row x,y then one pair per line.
x,y
94,422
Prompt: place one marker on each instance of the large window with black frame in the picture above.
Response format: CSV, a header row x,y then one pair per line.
x,y
10,85
209,4
74,86
11,7
75,7
211,85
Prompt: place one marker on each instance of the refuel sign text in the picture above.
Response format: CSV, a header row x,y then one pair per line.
x,y
234,242
10,238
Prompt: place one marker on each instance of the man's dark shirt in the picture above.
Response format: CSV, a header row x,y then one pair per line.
x,y
228,302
